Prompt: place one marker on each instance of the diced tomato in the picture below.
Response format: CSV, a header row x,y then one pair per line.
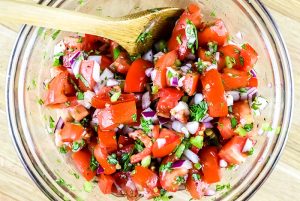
x,y
160,79
196,187
216,33
178,41
145,178
214,93
108,140
113,115
232,150
78,112
73,42
101,156
190,83
86,71
230,51
210,165
58,90
169,98
203,56
82,160
71,132
155,131
146,140
105,62
193,13
125,185
242,112
225,128
234,79
122,63
92,42
105,183
136,77
248,58
253,82
99,101
165,144
124,140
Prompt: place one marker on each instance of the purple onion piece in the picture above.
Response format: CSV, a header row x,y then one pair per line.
x,y
148,72
178,163
163,120
207,119
74,57
59,125
148,114
174,81
208,125
100,170
253,73
251,95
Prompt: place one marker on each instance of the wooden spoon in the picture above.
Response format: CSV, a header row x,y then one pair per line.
x,y
135,33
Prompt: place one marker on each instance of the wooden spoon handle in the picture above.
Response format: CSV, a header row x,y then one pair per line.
x,y
56,18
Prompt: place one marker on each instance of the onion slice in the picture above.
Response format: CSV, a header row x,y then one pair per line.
x,y
191,156
182,164
59,124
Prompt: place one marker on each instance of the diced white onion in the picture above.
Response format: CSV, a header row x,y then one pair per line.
x,y
96,72
177,126
185,131
148,56
191,156
112,82
248,145
59,47
95,58
192,127
158,55
235,95
180,81
212,66
198,98
106,74
229,99
153,74
223,163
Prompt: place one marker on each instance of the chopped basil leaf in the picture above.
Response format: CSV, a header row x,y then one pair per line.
x,y
178,38
88,187
165,167
233,122
196,177
220,187
112,159
93,163
191,35
116,53
145,124
77,145
197,141
55,34
198,111
248,127
80,95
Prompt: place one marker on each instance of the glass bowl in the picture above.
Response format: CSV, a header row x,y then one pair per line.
x,y
29,67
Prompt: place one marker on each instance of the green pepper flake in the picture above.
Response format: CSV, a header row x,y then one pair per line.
x,y
88,187
81,2
266,127
115,96
197,141
233,122
165,167
251,151
80,39
40,101
220,187
116,53
55,34
197,166
198,111
178,38
56,62
241,131
230,61
93,163
134,117
80,95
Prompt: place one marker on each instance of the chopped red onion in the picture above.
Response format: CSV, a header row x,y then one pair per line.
x,y
100,170
96,72
74,56
95,58
192,127
209,192
148,72
148,56
112,82
207,119
191,156
248,145
251,93
182,164
208,125
174,81
235,95
146,100
163,120
59,124
253,73
148,114
180,81
76,67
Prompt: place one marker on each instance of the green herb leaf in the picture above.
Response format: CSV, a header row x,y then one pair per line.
x,y
191,35
229,61
85,82
196,177
40,31
145,124
161,46
233,122
143,36
116,53
55,34
197,166
93,163
134,117
138,145
40,101
266,127
248,127
56,62
180,180
213,47
241,60
154,89
180,150
63,149
251,152
242,90
112,159
220,187
241,131
200,66
77,145
198,111
80,95
197,141
165,167
115,96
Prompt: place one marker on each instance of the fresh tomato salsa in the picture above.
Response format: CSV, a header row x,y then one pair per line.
x,y
151,124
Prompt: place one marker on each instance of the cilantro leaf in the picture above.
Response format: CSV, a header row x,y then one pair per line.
x,y
145,124
198,111
191,35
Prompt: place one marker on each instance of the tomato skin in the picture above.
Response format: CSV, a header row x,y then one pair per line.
x,y
214,93
108,140
136,77
253,82
190,83
161,65
126,185
92,42
216,33
242,111
232,150
234,79
58,89
113,115
100,100
249,56
124,140
145,178
203,56
78,112
155,131
101,155
172,141
105,62
86,71
105,183
224,126
196,188
192,13
82,162
71,132
210,165
169,98
122,63
182,48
